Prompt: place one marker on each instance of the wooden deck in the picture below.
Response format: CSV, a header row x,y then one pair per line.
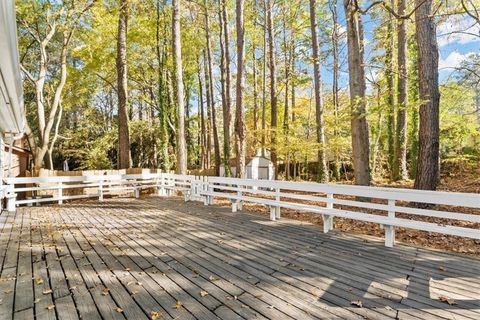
x,y
166,259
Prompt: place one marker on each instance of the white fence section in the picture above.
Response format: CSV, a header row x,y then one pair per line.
x,y
389,207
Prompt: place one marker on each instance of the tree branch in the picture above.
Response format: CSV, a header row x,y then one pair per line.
x,y
28,74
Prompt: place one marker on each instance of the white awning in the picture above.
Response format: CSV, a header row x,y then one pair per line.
x,y
12,110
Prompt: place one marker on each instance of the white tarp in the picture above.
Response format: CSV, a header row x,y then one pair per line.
x,y
12,110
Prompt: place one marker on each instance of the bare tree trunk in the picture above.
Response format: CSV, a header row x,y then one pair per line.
x,y
208,113
273,86
212,114
122,89
356,70
293,95
335,39
177,52
286,112
240,129
377,134
428,135
264,79
390,66
55,135
163,112
227,113
322,174
224,75
203,138
400,168
255,99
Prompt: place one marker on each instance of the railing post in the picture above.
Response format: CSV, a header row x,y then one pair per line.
x,y
210,197
390,230
60,193
100,190
11,198
161,189
277,208
239,202
272,213
328,219
136,191
205,189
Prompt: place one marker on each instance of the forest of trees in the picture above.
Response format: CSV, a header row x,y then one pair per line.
x,y
335,90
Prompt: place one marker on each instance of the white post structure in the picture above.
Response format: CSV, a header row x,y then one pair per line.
x,y
239,202
328,219
277,208
160,186
210,189
11,198
205,189
100,190
390,230
60,193
272,213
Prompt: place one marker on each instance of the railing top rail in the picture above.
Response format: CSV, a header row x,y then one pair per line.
x,y
471,200
23,180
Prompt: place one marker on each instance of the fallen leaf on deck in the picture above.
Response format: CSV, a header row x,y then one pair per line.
x,y
50,306
155,315
203,293
47,291
357,303
119,310
39,281
212,278
450,301
7,291
178,305
442,268
105,292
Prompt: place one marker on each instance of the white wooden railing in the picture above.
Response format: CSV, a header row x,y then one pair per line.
x,y
389,207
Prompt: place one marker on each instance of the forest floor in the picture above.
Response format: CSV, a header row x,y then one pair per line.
x,y
455,178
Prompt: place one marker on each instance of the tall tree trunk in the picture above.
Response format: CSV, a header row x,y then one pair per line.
x,y
122,90
293,95
212,113
273,86
286,112
227,113
390,66
335,40
322,174
203,132
208,113
225,83
428,135
240,129
264,79
356,71
55,135
177,53
163,112
400,168
255,99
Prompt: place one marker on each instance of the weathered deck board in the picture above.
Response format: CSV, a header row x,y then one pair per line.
x,y
129,258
